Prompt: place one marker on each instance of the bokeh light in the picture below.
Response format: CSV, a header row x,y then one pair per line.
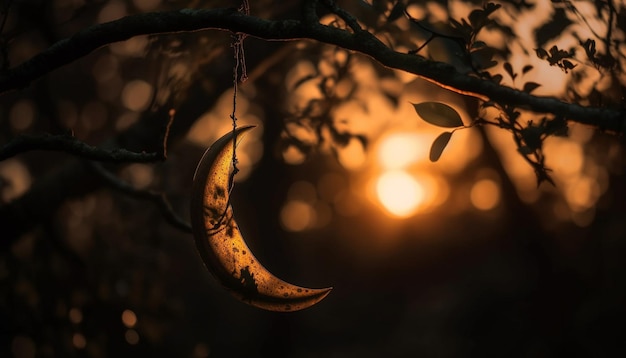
x,y
129,318
402,149
132,337
79,341
485,194
16,177
75,315
297,215
399,193
22,115
136,95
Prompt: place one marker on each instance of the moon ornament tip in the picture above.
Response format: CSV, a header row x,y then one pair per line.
x,y
221,244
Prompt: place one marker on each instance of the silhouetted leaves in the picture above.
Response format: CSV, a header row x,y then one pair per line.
x,y
482,58
552,28
396,12
439,144
496,78
526,69
439,114
590,48
567,65
556,57
509,69
530,86
541,53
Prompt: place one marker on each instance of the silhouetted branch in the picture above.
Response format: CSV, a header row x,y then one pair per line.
x,y
156,197
69,144
444,75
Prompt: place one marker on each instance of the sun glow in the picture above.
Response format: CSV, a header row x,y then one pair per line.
x,y
399,193
402,149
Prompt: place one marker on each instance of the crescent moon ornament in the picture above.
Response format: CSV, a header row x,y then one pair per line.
x,y
221,244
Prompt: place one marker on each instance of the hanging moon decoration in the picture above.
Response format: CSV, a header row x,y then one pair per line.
x,y
221,244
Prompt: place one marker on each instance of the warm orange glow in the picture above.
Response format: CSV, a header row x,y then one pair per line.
x,y
292,155
129,318
399,193
402,149
485,194
565,157
140,175
582,193
297,215
136,95
17,179
352,156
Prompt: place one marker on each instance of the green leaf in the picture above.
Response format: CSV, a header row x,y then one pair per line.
x,y
439,144
438,114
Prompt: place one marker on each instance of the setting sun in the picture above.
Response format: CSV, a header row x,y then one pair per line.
x,y
399,193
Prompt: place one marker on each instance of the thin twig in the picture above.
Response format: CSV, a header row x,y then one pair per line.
x,y
158,198
350,20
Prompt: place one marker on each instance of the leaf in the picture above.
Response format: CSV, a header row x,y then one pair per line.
x,y
491,7
439,144
482,57
553,28
478,44
532,137
396,12
477,19
509,69
438,114
530,86
526,69
541,53
568,65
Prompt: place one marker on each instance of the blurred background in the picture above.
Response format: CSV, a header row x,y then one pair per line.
x,y
459,258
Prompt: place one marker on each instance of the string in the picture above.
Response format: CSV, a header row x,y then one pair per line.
x,y
239,75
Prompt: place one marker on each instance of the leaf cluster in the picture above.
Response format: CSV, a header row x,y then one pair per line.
x,y
558,57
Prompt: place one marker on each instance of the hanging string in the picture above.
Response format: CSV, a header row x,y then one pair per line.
x,y
239,75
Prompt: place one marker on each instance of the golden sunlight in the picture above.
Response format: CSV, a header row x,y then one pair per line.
x,y
399,193
402,149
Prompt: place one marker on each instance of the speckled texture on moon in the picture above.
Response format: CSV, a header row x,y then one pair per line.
x,y
222,246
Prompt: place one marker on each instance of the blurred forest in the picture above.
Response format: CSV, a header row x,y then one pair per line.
x,y
511,244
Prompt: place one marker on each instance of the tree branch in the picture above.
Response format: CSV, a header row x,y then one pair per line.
x,y
69,144
444,75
